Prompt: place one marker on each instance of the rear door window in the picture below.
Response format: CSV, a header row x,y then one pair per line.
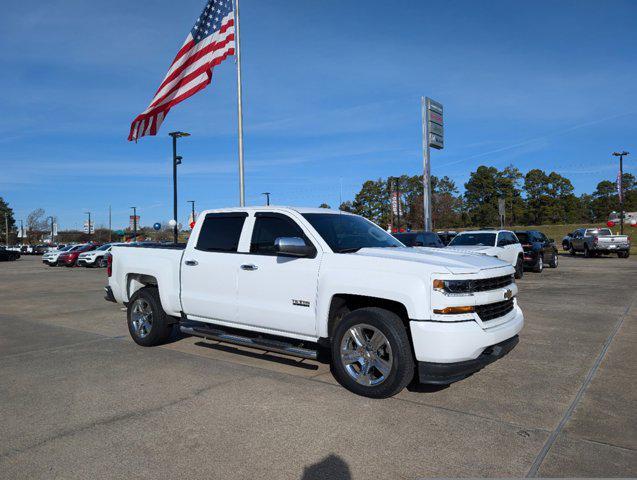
x,y
220,232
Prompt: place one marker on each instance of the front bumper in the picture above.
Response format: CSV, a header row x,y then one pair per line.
x,y
446,373
82,262
462,344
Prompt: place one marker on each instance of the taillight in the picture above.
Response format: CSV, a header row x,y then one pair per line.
x,y
109,264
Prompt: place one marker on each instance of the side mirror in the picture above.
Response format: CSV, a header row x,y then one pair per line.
x,y
293,246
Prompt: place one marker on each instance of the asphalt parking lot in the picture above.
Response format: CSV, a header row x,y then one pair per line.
x,y
78,399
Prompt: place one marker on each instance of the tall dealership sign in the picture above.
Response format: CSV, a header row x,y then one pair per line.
x,y
432,137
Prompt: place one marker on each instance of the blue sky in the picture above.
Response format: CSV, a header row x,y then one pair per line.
x,y
331,96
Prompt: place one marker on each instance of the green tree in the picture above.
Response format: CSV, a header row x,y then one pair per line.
x,y
324,205
372,202
481,196
6,217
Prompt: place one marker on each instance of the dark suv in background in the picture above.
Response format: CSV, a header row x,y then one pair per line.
x,y
538,249
419,239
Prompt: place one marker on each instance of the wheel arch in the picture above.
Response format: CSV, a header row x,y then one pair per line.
x,y
347,302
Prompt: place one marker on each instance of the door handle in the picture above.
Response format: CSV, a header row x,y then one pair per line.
x,y
249,267
191,263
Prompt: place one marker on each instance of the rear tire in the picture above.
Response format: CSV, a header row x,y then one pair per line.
x,y
371,353
587,252
148,324
519,268
102,262
554,260
625,254
539,263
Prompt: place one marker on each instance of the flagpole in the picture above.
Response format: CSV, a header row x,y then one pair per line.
x,y
239,105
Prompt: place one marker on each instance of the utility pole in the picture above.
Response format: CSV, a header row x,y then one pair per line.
x,y
621,188
134,222
267,198
89,225
176,161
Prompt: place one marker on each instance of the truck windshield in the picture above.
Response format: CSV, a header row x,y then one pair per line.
x,y
467,239
349,233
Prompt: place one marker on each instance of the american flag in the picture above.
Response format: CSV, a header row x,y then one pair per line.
x,y
209,42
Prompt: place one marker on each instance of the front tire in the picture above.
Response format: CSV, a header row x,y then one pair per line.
x,y
371,353
539,263
554,260
519,268
587,252
148,324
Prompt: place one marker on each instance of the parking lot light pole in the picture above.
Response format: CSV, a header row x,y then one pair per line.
x,y
89,225
134,222
621,188
267,198
176,161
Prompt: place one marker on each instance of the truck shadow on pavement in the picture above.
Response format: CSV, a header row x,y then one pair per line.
x,y
332,467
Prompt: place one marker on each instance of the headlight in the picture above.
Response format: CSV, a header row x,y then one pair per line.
x,y
455,287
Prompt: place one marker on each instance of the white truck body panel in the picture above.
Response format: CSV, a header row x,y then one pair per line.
x,y
291,297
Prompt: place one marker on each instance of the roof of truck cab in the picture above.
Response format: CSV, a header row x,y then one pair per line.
x,y
274,208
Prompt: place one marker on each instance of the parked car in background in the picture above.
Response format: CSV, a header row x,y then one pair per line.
x,y
599,241
502,244
419,239
69,258
97,257
51,258
538,249
8,255
39,249
446,236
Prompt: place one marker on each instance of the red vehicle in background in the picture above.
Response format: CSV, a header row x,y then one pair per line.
x,y
69,259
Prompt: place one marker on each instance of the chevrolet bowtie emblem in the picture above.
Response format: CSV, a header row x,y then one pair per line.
x,y
508,294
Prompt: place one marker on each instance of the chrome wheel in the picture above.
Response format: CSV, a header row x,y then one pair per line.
x,y
141,317
366,355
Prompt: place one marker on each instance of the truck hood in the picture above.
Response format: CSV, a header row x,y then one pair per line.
x,y
440,260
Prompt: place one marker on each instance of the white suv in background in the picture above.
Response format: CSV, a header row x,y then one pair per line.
x,y
51,258
503,244
95,258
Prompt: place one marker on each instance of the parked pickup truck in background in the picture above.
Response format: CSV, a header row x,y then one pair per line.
x,y
306,281
599,241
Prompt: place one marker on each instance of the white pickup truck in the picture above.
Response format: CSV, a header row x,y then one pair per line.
x,y
303,281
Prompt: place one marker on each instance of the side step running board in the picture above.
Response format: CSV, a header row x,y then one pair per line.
x,y
208,331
